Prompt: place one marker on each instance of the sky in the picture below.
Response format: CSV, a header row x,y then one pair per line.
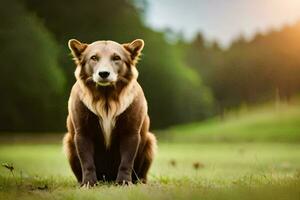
x,y
222,20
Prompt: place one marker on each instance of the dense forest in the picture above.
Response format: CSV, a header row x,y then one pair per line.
x,y
263,69
184,81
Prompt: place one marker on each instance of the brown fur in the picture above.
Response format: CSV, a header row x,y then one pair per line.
x,y
129,151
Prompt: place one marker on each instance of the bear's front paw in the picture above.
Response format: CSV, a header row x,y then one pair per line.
x,y
88,183
123,180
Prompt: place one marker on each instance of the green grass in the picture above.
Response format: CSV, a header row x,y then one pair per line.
x,y
251,153
269,123
226,171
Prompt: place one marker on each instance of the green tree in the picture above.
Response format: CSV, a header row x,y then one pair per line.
x,y
255,71
31,82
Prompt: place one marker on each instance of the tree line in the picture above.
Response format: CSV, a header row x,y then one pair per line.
x,y
265,68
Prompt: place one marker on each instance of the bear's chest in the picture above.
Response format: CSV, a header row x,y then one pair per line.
x,y
108,111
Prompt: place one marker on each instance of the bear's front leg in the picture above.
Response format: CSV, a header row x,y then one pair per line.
x,y
128,150
85,150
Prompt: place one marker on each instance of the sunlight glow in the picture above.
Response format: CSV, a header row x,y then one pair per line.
x,y
222,20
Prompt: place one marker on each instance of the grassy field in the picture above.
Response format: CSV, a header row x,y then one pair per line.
x,y
251,153
268,123
181,171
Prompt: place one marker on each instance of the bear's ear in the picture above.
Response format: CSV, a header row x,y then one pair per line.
x,y
134,48
76,47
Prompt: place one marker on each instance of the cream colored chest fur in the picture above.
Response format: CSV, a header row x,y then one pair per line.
x,y
107,119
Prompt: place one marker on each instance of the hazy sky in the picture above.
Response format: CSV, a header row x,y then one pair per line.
x,y
222,19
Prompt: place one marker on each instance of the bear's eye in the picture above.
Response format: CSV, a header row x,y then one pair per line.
x,y
94,58
116,58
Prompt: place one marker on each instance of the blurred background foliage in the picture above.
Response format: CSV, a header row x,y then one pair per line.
x,y
184,81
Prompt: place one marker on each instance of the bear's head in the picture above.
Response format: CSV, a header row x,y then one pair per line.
x,y
106,63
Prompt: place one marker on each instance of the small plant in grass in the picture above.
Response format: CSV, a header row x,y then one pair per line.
x,y
173,163
198,165
11,169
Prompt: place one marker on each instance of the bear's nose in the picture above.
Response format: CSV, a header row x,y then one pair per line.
x,y
103,74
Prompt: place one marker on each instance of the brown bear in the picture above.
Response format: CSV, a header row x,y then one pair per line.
x,y
108,136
